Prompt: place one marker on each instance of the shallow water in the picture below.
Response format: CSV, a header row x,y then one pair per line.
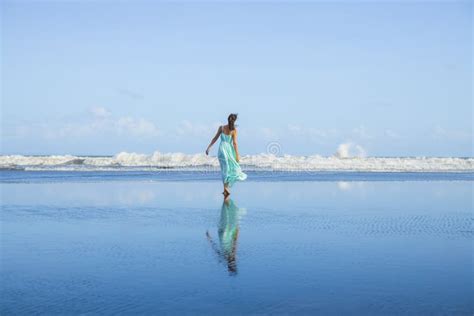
x,y
330,244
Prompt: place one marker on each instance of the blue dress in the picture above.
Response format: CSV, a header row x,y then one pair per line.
x,y
230,168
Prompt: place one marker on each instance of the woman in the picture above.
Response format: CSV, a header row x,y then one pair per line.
x,y
228,154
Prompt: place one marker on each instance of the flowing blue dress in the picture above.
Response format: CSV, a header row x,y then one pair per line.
x,y
230,168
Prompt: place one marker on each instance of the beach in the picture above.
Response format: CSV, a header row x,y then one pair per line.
x,y
166,243
343,130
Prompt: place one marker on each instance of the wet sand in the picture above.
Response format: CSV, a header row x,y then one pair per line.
x,y
331,247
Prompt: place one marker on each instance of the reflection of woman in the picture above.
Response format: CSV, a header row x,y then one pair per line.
x,y
228,234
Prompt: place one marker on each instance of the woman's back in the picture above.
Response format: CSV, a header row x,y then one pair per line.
x,y
226,135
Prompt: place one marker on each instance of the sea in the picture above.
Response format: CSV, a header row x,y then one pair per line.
x,y
137,234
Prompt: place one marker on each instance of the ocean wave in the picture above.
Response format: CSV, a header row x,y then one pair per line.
x,y
75,161
178,161
11,168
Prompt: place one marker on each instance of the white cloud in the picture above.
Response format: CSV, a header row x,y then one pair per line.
x,y
101,122
130,93
135,126
361,132
315,134
295,129
268,133
391,134
195,129
100,112
441,133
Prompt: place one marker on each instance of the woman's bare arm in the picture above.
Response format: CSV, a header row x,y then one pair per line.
x,y
234,140
219,131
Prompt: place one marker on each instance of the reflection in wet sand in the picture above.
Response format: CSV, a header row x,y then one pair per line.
x,y
228,231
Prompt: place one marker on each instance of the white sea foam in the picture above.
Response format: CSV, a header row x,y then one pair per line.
x,y
347,150
180,161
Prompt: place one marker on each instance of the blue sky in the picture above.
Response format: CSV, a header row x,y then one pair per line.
x,y
394,78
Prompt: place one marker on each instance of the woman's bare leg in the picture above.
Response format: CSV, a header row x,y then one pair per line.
x,y
226,190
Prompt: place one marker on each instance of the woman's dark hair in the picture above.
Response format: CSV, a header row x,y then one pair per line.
x,y
231,120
